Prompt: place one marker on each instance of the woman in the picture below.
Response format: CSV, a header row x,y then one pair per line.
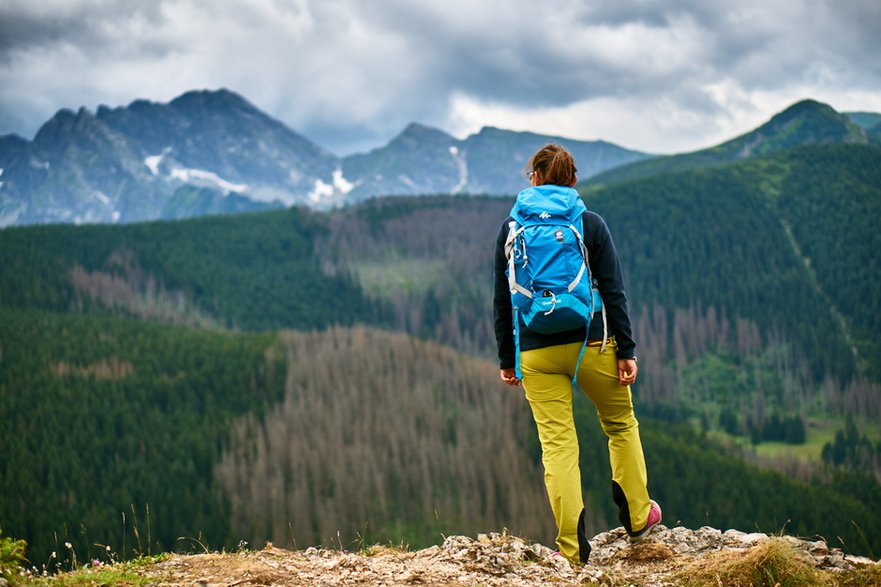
x,y
550,362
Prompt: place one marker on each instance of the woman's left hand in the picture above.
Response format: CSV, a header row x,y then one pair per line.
x,y
509,376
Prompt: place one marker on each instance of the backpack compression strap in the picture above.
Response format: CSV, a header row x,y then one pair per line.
x,y
510,243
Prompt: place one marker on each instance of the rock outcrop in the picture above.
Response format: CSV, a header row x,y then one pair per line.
x,y
669,556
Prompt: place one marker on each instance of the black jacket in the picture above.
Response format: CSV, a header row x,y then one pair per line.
x,y
605,269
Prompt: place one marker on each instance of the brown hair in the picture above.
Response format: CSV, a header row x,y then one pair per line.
x,y
554,165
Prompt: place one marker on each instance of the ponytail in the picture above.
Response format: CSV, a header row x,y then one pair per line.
x,y
554,165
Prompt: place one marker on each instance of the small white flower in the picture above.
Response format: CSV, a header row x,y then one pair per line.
x,y
68,545
108,549
53,555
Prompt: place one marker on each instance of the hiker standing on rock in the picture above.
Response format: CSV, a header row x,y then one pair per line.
x,y
561,319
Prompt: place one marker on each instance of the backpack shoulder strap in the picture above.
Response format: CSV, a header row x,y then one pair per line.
x,y
597,299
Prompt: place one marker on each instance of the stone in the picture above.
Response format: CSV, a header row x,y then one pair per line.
x,y
753,539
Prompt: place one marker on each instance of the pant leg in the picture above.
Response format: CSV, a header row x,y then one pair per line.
x,y
547,382
598,378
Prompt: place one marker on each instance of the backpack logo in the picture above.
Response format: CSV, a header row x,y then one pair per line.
x,y
544,215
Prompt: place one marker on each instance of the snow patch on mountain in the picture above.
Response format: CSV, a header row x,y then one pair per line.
x,y
462,167
202,177
341,183
101,197
408,181
322,190
152,162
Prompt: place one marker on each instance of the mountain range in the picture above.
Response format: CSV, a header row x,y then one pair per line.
x,y
212,152
209,152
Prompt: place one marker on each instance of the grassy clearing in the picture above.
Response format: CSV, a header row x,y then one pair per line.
x,y
817,434
399,275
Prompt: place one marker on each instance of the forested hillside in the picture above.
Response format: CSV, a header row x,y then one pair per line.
x,y
719,239
102,418
830,203
142,364
143,437
254,272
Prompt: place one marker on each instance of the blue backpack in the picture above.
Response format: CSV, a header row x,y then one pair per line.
x,y
548,271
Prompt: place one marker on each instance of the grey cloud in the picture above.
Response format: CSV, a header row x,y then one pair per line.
x,y
25,24
346,72
505,58
654,14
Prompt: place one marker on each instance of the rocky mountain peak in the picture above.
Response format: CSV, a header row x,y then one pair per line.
x,y
61,123
221,96
419,133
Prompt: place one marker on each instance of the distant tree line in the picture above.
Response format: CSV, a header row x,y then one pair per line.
x,y
854,450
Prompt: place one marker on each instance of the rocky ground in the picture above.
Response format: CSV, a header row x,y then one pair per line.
x,y
668,556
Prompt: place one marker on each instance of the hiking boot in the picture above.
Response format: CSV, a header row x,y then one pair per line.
x,y
653,520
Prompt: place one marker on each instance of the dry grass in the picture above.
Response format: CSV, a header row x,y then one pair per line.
x,y
648,552
869,576
774,563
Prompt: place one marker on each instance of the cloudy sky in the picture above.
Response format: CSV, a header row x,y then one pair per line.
x,y
662,76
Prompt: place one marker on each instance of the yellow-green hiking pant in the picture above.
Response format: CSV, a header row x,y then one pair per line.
x,y
547,382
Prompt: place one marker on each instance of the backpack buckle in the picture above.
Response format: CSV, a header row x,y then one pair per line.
x,y
549,294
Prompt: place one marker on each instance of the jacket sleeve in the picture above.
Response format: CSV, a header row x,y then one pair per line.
x,y
502,311
606,270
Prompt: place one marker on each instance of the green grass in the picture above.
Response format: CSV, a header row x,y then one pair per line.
x,y
819,431
111,575
385,278
817,434
11,555
124,574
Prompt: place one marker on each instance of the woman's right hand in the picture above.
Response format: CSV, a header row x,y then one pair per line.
x,y
627,371
509,376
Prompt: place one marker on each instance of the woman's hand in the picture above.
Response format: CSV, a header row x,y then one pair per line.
x,y
627,371
509,376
